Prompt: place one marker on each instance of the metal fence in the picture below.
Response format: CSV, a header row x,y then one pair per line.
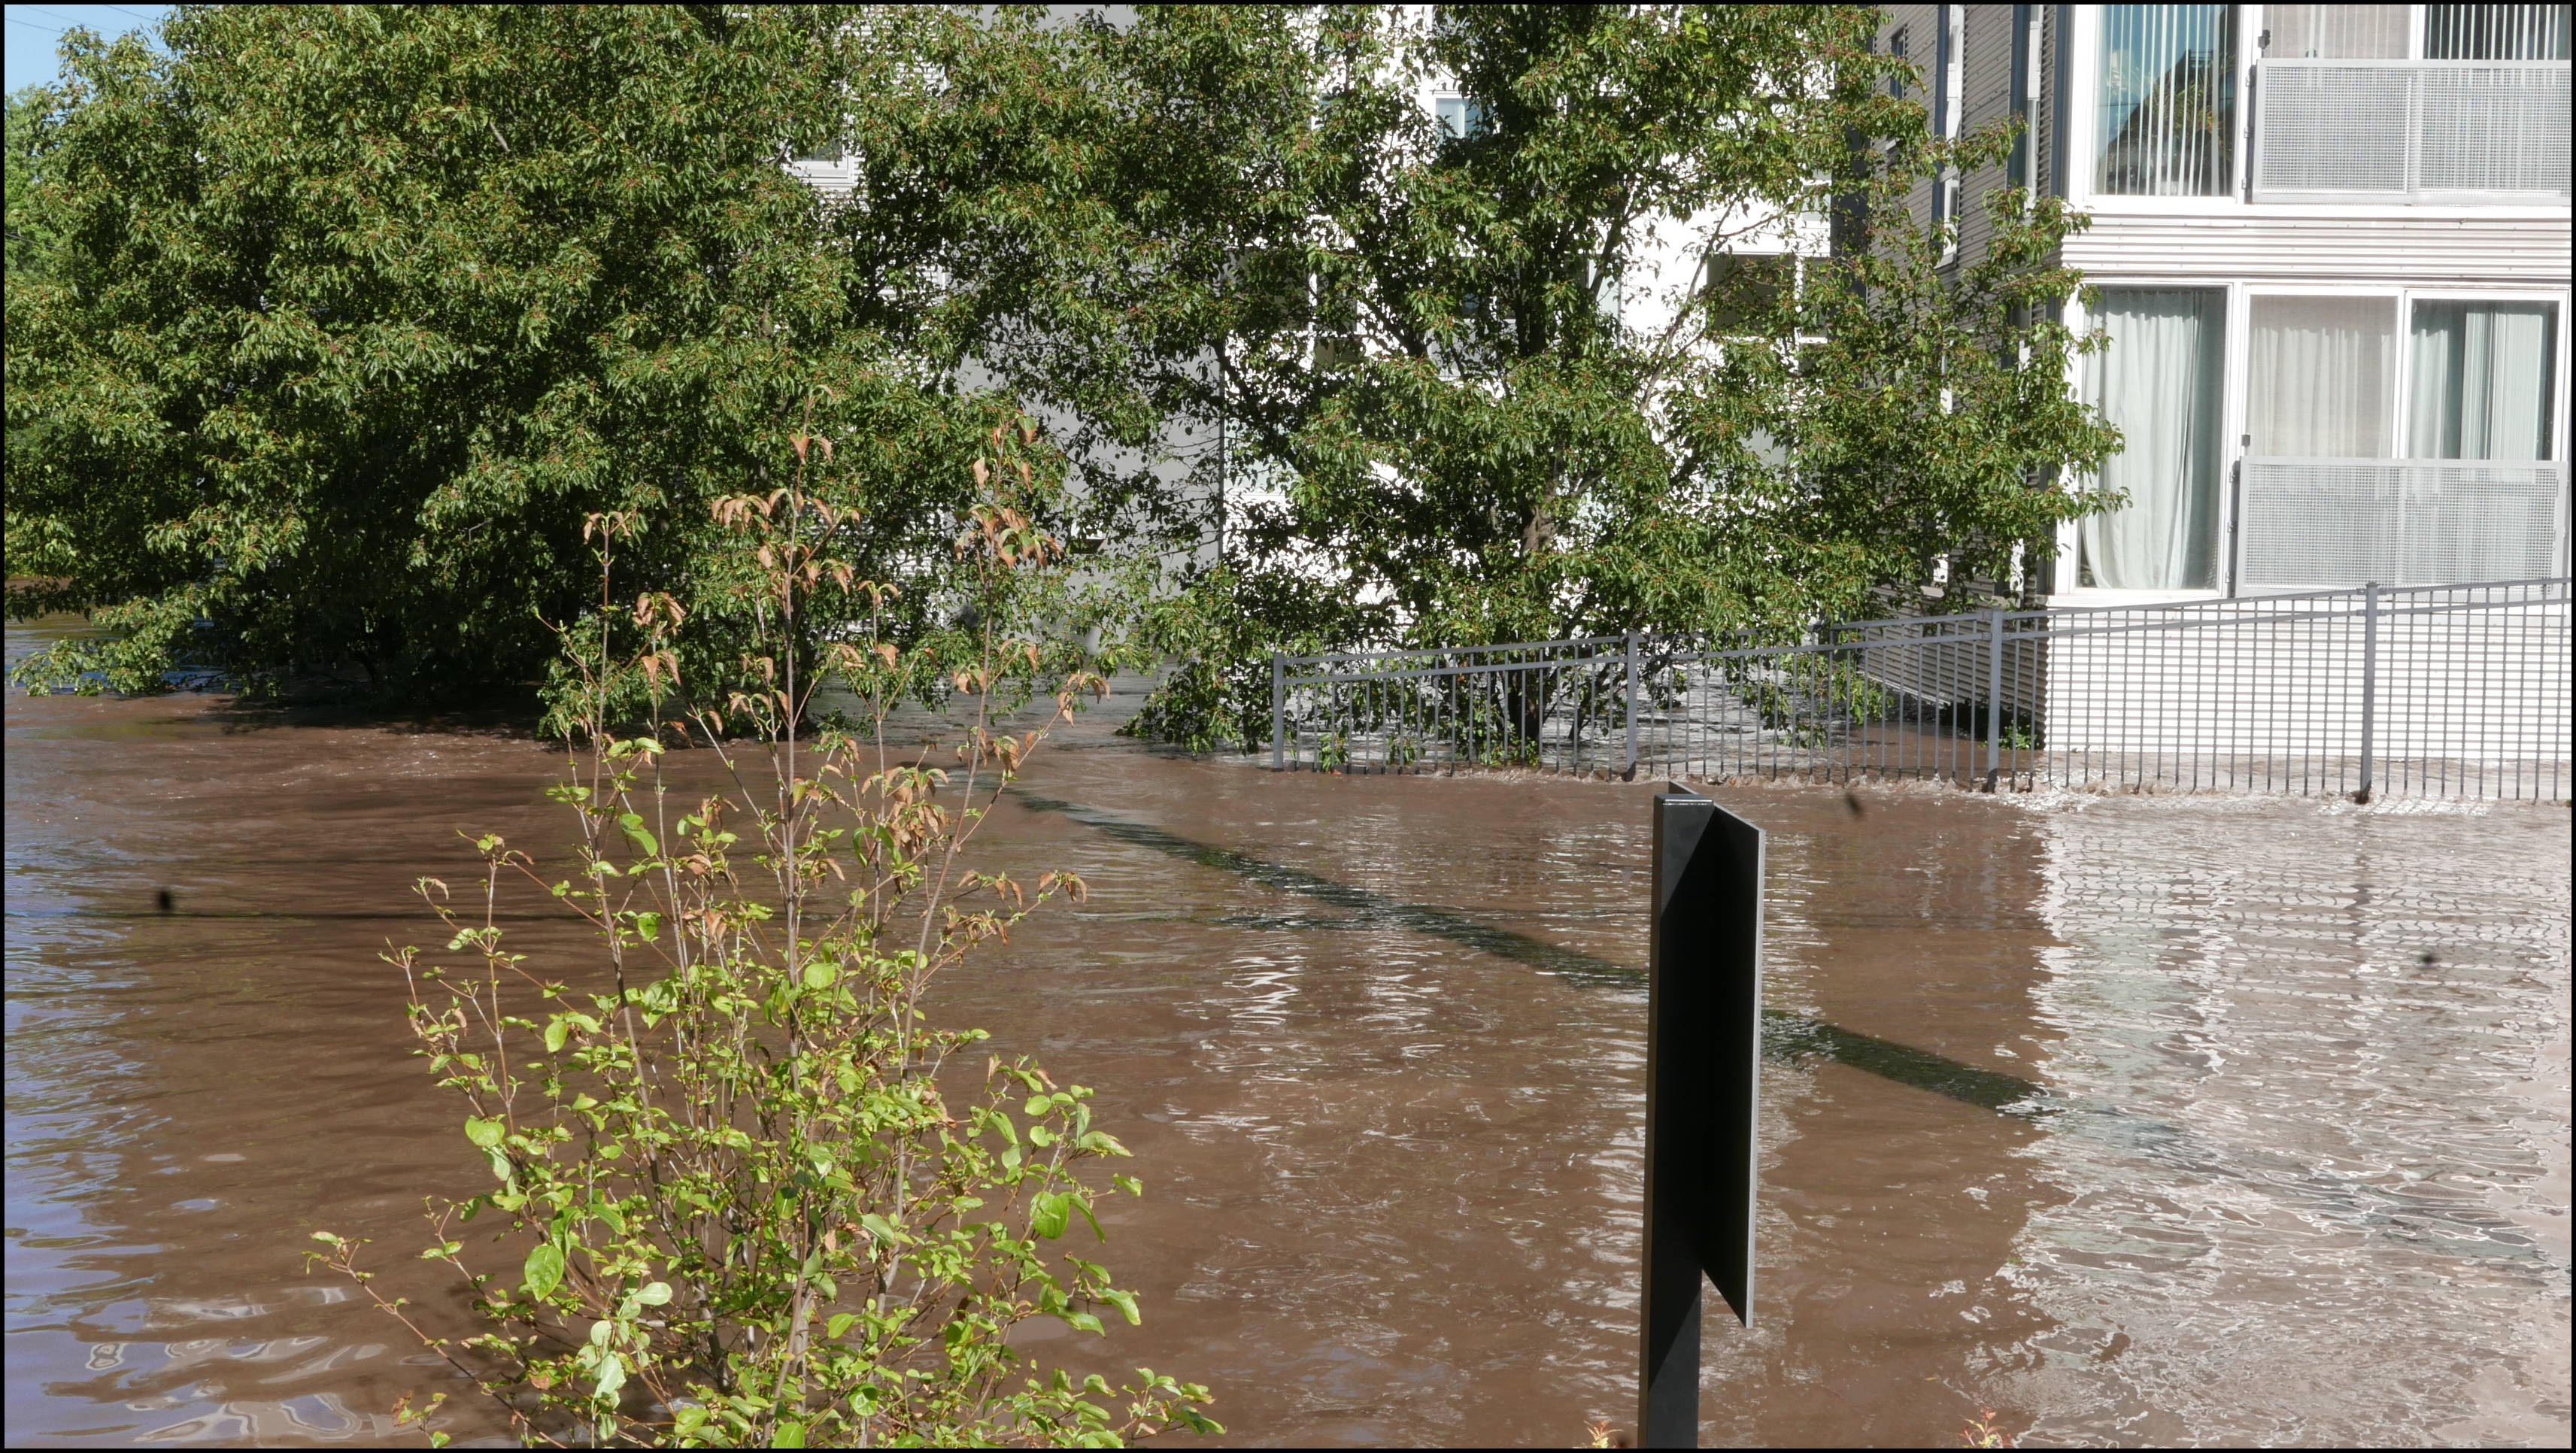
x,y
2440,691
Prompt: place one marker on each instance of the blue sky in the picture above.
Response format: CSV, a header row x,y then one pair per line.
x,y
33,29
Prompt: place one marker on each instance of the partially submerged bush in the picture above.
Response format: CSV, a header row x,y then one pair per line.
x,y
749,1208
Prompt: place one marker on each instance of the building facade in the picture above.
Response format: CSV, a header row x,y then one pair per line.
x,y
2330,248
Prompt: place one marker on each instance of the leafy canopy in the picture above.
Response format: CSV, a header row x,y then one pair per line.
x,y
353,306
360,311
1464,405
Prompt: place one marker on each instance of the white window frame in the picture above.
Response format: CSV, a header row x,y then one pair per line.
x,y
2237,351
2231,424
2083,110
1949,100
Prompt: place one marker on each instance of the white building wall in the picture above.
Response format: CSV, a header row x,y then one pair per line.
x,y
2510,251
2126,692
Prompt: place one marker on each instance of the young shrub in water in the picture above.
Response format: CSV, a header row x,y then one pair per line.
x,y
755,1195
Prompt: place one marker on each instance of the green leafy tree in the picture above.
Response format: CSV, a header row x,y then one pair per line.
x,y
747,1190
1460,413
355,305
27,225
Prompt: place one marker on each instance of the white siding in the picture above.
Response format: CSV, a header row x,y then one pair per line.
x,y
2280,244
1987,97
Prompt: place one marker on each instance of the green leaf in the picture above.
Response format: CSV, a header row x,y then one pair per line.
x,y
557,1031
654,1294
637,834
789,1435
1049,1212
485,1133
545,1269
1125,1302
839,1325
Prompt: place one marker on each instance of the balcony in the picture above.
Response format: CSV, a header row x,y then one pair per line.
x,y
2328,523
2410,131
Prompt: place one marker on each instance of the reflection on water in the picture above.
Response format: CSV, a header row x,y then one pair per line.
x,y
2360,1019
1374,1047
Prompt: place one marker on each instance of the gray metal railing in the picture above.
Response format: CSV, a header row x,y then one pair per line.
x,y
2410,131
2450,691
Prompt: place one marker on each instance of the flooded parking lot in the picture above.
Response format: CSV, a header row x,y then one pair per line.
x,y
2294,1167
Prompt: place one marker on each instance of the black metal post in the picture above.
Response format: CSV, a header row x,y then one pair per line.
x,y
1703,1082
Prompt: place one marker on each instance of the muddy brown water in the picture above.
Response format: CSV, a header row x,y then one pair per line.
x,y
2298,1171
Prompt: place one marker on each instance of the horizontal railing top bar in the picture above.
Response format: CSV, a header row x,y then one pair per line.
x,y
1976,619
1399,653
1665,658
2392,64
1972,627
1489,668
2346,461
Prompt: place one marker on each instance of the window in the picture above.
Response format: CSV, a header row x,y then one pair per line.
x,y
2322,379
1745,290
2319,377
2481,379
1947,98
1460,116
2493,32
2336,32
2158,384
2025,81
2168,100
2388,32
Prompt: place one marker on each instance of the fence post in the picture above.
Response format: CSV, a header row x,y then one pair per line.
x,y
1278,713
1994,695
2369,681
1632,706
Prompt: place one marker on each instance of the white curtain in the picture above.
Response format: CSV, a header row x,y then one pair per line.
x,y
2342,32
2481,380
2318,382
2158,384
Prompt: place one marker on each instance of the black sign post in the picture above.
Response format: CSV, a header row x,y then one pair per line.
x,y
1703,1075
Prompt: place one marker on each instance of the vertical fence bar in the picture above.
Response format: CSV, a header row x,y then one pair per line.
x,y
2369,681
1994,694
1278,713
1632,706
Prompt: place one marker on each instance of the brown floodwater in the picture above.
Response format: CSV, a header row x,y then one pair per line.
x,y
2279,1154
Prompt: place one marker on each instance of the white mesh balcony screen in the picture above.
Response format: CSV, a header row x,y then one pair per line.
x,y
2495,128
2168,100
2403,130
2337,32
2321,377
2324,523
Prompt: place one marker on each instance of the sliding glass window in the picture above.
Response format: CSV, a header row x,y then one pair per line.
x,y
2158,384
2321,377
2167,101
2481,380
2493,32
